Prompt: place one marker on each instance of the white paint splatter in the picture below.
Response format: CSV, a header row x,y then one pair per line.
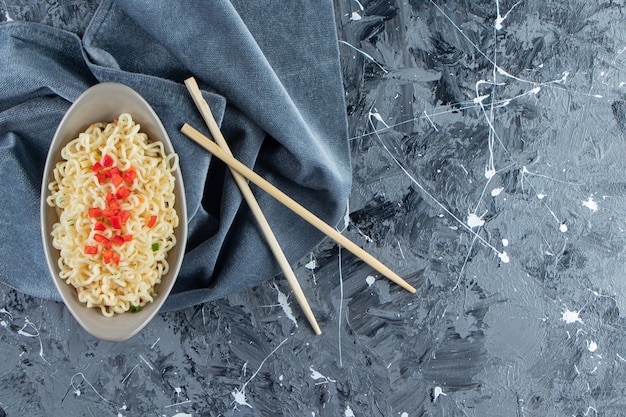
x,y
480,99
366,237
183,415
130,373
155,343
146,362
474,221
77,390
404,414
22,332
591,204
541,196
318,376
592,346
348,412
311,265
505,242
504,257
571,317
2,322
419,185
239,395
366,55
563,227
401,251
500,18
283,302
431,122
496,191
6,14
355,16
378,117
370,280
438,392
4,311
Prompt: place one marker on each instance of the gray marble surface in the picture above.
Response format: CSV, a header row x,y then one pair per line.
x,y
488,142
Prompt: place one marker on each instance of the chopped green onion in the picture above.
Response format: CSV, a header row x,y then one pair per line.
x,y
155,246
135,309
154,292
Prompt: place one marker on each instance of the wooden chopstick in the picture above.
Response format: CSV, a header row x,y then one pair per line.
x,y
294,206
207,115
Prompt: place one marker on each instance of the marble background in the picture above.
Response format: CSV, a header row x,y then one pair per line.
x,y
488,150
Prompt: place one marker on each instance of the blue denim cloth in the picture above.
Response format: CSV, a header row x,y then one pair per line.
x,y
270,72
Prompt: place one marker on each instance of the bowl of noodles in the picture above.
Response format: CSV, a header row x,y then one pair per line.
x,y
113,212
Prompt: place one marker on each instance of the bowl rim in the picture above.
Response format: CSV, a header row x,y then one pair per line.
x,y
103,100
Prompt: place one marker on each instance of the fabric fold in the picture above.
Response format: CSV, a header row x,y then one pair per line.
x,y
271,75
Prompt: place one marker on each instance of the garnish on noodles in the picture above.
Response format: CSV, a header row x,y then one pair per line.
x,y
114,193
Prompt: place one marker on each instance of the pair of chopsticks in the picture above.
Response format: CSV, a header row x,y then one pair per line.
x,y
241,173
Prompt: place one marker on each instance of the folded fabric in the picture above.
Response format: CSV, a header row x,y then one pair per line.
x,y
269,71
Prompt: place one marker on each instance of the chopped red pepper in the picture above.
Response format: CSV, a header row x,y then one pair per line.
x,y
108,212
101,178
116,217
116,179
116,222
107,255
107,161
130,176
113,204
124,216
95,212
152,220
100,238
122,192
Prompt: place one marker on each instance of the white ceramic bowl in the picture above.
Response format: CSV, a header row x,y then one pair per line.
x,y
103,103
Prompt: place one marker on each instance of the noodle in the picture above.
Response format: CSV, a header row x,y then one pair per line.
x,y
114,192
